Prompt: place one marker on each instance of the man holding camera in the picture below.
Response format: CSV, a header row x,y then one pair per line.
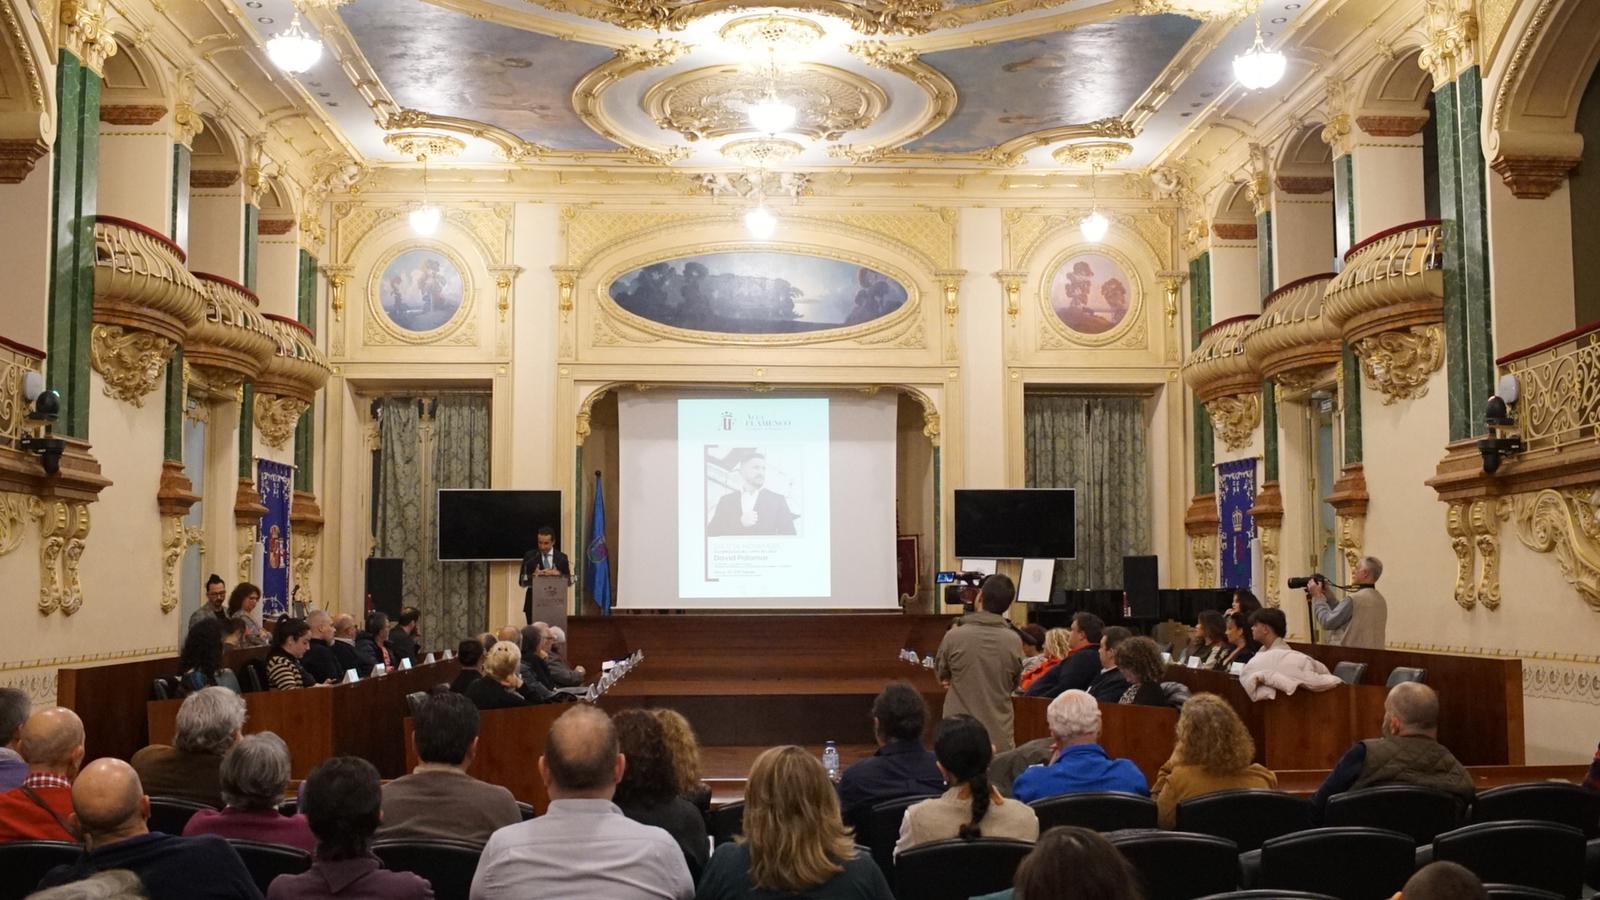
x,y
1361,619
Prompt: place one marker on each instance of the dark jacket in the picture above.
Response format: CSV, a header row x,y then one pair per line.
x,y
371,653
402,645
897,769
772,515
350,879
679,818
322,662
1074,673
464,679
168,865
1108,686
1409,759
350,658
486,693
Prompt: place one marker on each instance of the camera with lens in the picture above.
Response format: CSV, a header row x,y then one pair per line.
x,y
1299,582
962,590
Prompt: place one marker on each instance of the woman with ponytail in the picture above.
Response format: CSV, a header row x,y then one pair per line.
x,y
971,807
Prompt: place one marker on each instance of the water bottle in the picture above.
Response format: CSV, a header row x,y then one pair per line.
x,y
830,760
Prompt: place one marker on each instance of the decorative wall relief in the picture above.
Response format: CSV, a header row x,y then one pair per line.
x,y
131,362
276,418
1567,523
1399,363
63,530
14,516
1235,417
420,294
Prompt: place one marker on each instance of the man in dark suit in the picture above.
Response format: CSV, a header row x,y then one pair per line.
x,y
1078,670
752,509
403,637
544,559
320,659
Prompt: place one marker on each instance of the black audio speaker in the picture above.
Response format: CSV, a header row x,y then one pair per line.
x,y
385,585
1141,580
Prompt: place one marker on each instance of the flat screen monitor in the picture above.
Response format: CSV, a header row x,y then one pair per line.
x,y
1032,523
494,525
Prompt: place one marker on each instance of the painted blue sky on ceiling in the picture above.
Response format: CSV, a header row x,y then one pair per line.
x,y
1017,87
447,63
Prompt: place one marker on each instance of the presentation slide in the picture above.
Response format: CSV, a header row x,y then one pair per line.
x,y
769,502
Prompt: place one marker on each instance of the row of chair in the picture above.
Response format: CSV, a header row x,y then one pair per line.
x,y
170,815
1352,673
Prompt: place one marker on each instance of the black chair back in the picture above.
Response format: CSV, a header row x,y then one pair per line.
x,y
268,861
527,810
957,869
253,676
1269,895
289,807
1247,817
169,814
414,701
1098,811
727,822
228,679
1417,811
1543,801
1542,855
25,863
1350,672
1518,892
1401,674
882,830
1176,866
1349,863
447,865
161,689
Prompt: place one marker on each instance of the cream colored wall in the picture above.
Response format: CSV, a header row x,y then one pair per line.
x,y
135,174
1388,184
982,333
216,232
25,255
1235,284
1302,236
1530,267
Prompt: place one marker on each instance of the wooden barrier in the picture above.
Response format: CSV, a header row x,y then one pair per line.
x,y
510,743
1143,734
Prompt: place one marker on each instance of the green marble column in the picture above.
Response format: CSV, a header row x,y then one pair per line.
x,y
1469,356
1268,276
247,433
178,227
305,432
172,421
74,179
1350,402
1269,429
252,241
1205,448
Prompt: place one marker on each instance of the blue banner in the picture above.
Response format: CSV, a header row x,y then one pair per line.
x,y
275,484
1236,492
599,556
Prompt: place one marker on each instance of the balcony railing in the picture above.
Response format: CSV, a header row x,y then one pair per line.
x,y
1293,340
16,361
140,281
297,368
1218,367
233,342
1392,281
1558,402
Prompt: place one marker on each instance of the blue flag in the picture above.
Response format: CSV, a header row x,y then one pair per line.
x,y
599,557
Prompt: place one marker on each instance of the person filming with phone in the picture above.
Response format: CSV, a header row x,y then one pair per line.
x,y
1361,619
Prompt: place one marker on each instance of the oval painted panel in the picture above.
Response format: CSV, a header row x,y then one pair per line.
x,y
757,292
1089,292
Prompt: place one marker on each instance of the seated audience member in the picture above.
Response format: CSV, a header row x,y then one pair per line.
x,y
1443,881
510,633
113,884
1241,646
209,722
1592,780
648,790
320,660
1244,602
901,766
500,686
561,672
685,752
255,774
1078,763
1082,663
1033,653
344,647
1139,661
110,809
970,808
40,809
15,707
469,653
1110,685
233,631
1055,649
372,645
487,639
439,800
1213,753
794,840
216,605
242,603
1210,639
1278,668
537,685
291,638
404,637
583,846
1408,753
342,803
201,657
1072,862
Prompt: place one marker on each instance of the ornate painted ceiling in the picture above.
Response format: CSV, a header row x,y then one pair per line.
x,y
958,84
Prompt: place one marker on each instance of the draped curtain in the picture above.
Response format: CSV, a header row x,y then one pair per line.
x,y
427,443
1098,445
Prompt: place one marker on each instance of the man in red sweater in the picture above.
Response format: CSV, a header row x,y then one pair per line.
x,y
41,809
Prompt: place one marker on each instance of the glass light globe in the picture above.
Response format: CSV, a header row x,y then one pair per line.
x,y
761,223
293,50
1094,227
771,116
424,220
1259,68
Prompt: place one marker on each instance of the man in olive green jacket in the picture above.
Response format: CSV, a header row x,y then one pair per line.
x,y
980,660
1408,753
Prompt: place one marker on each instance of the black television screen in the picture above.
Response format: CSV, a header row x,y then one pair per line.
x,y
1036,523
494,525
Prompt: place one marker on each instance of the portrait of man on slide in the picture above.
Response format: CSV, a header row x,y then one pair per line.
x,y
749,508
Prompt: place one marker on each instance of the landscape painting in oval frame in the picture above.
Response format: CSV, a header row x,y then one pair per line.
x,y
758,292
420,290
1091,293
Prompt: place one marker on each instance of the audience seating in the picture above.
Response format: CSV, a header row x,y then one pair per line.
x,y
1417,811
727,822
1350,672
253,677
1174,865
1269,895
1246,817
1400,674
1545,801
1098,810
170,814
289,807
527,810
1350,863
1536,854
226,678
447,865
25,863
414,701
957,869
161,689
882,829
268,861
1518,892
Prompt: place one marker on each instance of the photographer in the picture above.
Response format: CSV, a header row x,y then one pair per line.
x,y
1361,619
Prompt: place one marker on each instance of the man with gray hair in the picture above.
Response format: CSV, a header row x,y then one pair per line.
x,y
1408,753
561,672
1078,763
1361,619
14,709
209,723
255,777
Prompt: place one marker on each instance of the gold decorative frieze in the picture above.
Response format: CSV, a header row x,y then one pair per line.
x,y
772,36
1458,525
761,151
420,145
1399,363
1267,513
1218,366
175,541
131,362
14,516
276,418
1474,529
86,32
1093,153
1292,340
1566,523
1392,281
232,343
1450,43
1235,417
145,303
713,102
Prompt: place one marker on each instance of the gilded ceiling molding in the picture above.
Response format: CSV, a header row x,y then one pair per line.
x,y
1565,522
421,145
1009,154
760,152
935,85
1093,153
711,102
627,61
864,16
1183,64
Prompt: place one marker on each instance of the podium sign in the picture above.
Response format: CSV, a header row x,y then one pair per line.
x,y
550,600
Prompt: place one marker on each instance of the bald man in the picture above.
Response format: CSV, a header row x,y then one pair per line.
x,y
320,659
51,742
344,643
1408,753
510,633
110,809
583,846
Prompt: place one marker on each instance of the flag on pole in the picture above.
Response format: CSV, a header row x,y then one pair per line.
x,y
599,558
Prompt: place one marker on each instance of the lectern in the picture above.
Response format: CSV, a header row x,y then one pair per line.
x,y
550,600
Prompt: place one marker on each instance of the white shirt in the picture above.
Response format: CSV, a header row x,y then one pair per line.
x,y
582,848
747,500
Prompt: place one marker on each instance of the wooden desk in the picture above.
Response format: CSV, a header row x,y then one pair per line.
x,y
1144,734
1304,730
510,743
361,719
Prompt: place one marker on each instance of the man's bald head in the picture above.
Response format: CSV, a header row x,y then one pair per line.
x,y
344,625
1415,707
108,800
52,740
509,633
581,754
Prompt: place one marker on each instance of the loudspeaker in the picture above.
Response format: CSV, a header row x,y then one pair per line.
x,y
385,585
1141,580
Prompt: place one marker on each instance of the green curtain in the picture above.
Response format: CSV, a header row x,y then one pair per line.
x,y
426,444
1098,445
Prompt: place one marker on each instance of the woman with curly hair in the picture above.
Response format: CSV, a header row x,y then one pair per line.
x,y
242,604
684,749
1213,753
1139,660
648,791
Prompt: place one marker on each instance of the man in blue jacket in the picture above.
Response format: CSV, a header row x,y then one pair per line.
x,y
1078,763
